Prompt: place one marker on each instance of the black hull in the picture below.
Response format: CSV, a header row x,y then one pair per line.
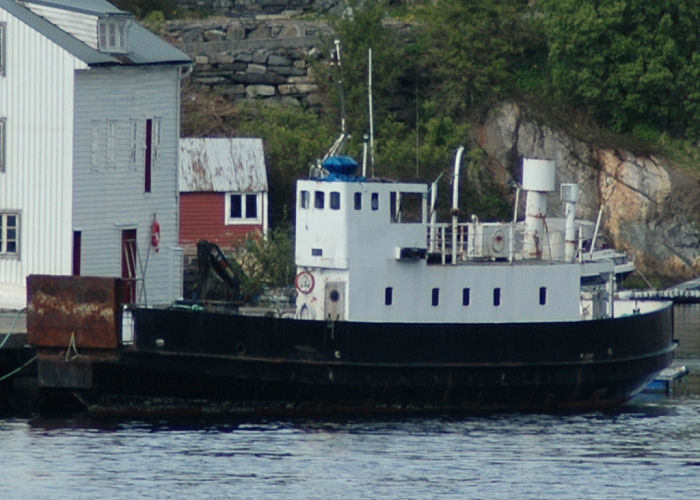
x,y
207,362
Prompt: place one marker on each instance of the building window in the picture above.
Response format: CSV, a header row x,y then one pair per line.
x,y
112,142
2,49
465,296
242,208
388,296
9,233
135,149
2,144
435,298
111,34
335,200
155,142
149,157
358,201
543,295
304,199
94,143
319,199
496,297
375,201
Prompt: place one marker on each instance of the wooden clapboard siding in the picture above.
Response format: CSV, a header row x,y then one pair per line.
x,y
202,217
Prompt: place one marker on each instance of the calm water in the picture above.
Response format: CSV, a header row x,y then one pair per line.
x,y
649,448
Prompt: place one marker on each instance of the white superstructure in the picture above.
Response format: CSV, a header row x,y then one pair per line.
x,y
367,251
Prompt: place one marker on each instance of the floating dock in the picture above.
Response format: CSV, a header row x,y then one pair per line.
x,y
669,382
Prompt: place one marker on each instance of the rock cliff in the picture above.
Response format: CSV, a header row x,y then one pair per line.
x,y
648,209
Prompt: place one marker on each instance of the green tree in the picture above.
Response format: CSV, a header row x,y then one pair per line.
x,y
362,31
471,48
294,140
628,61
266,262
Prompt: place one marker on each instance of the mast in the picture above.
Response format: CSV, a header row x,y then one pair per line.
x,y
371,111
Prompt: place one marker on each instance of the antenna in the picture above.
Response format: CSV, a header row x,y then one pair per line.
x,y
371,111
340,83
339,143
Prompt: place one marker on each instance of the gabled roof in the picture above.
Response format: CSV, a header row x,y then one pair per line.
x,y
96,7
144,46
68,42
222,165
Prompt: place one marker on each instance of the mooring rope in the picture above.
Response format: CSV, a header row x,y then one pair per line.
x,y
14,322
17,370
71,347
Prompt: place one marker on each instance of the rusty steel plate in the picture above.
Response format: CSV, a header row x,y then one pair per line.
x,y
85,309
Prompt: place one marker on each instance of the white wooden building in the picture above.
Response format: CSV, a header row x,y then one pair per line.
x,y
89,138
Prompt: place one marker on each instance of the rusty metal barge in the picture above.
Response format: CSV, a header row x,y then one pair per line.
x,y
395,312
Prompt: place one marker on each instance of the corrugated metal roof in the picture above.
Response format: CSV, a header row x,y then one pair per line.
x,y
222,165
144,46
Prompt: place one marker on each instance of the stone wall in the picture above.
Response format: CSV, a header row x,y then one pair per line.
x,y
251,7
244,58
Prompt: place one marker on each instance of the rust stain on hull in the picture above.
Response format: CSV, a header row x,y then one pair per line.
x,y
73,309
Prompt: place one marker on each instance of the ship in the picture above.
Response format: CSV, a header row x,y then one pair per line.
x,y
395,312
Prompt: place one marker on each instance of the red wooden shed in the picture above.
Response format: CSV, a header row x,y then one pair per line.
x,y
223,190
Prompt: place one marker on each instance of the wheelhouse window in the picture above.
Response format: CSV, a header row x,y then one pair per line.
x,y
112,33
358,201
406,207
543,295
9,233
304,200
375,201
435,297
496,297
242,208
319,199
335,200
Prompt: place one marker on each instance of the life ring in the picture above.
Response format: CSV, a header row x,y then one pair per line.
x,y
304,282
155,234
498,241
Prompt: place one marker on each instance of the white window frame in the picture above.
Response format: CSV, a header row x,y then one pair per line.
x,y
230,221
3,142
3,51
112,34
112,134
137,145
95,140
3,234
155,141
